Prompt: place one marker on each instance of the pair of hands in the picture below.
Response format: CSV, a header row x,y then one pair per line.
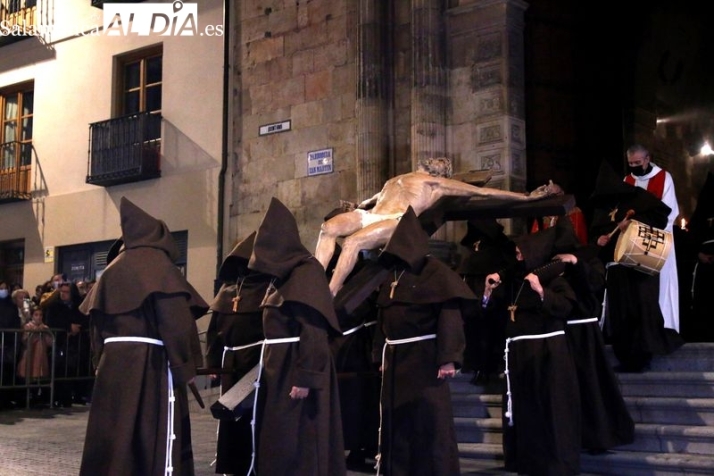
x,y
299,393
493,280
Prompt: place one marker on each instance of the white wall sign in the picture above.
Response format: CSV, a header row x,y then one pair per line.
x,y
274,128
319,162
49,254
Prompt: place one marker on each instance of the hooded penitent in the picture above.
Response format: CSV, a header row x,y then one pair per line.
x,y
420,304
536,248
232,344
278,251
146,350
301,437
147,266
613,198
243,290
426,279
495,251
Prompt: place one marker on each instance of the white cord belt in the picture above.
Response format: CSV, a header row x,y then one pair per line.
x,y
355,329
509,410
582,321
264,342
388,342
170,436
227,349
145,340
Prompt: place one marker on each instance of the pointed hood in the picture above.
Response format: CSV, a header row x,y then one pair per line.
x,y
424,279
485,230
613,195
278,252
566,241
408,246
144,266
609,188
277,248
139,229
114,250
235,265
536,248
495,250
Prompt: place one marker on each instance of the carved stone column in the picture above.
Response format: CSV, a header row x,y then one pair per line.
x,y
487,79
371,108
429,86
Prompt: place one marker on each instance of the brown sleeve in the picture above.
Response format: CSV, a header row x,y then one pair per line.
x,y
178,331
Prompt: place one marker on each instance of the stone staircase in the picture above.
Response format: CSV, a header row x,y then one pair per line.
x,y
672,405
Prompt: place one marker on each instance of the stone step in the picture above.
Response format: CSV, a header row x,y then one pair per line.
x,y
691,357
479,430
653,410
694,384
682,439
668,384
648,437
619,463
672,411
476,405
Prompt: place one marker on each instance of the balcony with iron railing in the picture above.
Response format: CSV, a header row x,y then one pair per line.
x,y
100,3
15,171
18,20
124,150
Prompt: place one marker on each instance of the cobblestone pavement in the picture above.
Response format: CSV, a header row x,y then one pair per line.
x,y
49,441
40,442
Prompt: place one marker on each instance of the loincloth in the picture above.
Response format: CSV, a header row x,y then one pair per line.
x,y
367,218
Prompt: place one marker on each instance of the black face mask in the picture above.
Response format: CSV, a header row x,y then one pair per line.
x,y
639,171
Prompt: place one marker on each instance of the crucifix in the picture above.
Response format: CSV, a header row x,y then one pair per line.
x,y
393,285
235,301
512,308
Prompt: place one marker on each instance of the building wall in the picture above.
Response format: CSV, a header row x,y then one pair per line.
x,y
300,61
294,61
73,84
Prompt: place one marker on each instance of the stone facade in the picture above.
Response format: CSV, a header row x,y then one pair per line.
x,y
382,84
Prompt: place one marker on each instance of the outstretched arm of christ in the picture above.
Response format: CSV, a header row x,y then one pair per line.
x,y
446,187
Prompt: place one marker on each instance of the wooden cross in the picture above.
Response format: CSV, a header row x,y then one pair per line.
x,y
392,285
512,308
236,300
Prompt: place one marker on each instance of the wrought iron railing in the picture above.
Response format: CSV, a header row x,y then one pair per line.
x,y
15,171
123,150
18,18
100,3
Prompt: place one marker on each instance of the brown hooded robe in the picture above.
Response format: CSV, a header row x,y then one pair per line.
x,y
235,328
141,294
418,435
541,430
296,436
